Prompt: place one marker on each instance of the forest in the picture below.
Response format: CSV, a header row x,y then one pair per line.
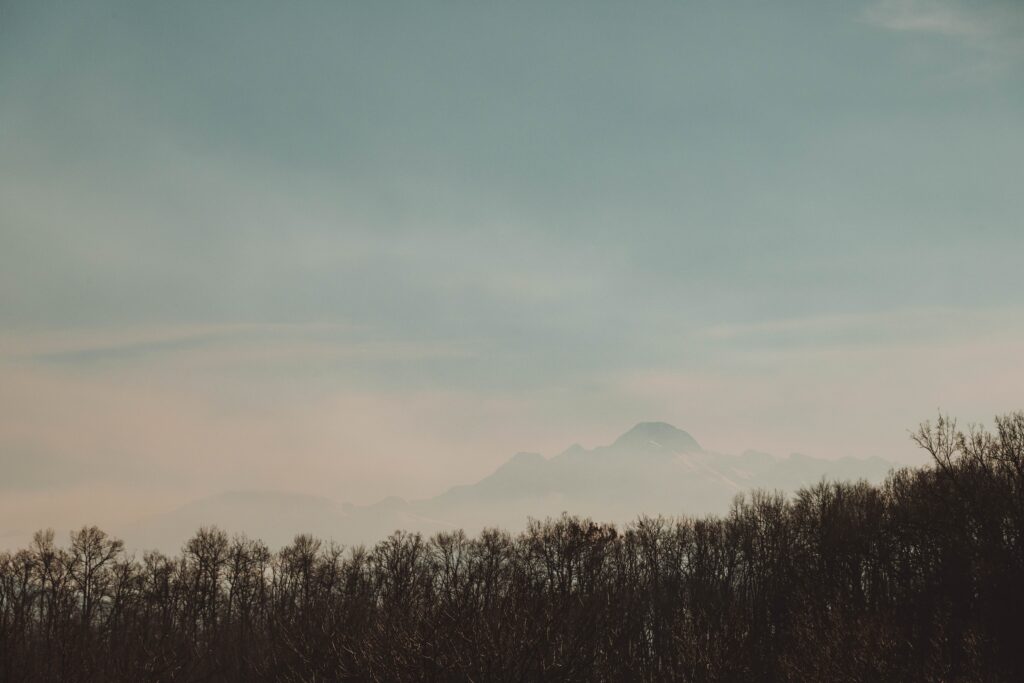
x,y
917,579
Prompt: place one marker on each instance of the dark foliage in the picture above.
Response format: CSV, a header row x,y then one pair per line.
x,y
921,578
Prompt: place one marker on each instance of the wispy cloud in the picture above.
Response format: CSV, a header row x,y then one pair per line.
x,y
905,327
992,29
929,16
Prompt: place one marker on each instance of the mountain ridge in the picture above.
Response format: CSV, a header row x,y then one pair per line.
x,y
653,468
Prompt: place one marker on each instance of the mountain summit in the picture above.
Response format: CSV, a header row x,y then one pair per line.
x,y
658,436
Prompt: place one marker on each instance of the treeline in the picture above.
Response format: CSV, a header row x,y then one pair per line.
x,y
921,578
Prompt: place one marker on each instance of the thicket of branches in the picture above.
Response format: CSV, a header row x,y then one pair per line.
x,y
921,578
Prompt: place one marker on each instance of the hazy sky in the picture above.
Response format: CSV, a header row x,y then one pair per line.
x,y
360,249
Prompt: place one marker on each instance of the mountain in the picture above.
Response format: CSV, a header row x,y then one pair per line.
x,y
654,468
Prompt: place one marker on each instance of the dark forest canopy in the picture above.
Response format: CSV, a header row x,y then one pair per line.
x,y
918,578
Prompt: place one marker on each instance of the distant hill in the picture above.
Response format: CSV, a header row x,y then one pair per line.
x,y
654,468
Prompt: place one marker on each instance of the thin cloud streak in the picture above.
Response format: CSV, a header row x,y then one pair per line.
x,y
928,16
212,342
906,327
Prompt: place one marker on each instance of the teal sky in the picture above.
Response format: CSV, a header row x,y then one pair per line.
x,y
372,248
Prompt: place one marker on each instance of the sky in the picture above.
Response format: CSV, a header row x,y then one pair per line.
x,y
369,249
